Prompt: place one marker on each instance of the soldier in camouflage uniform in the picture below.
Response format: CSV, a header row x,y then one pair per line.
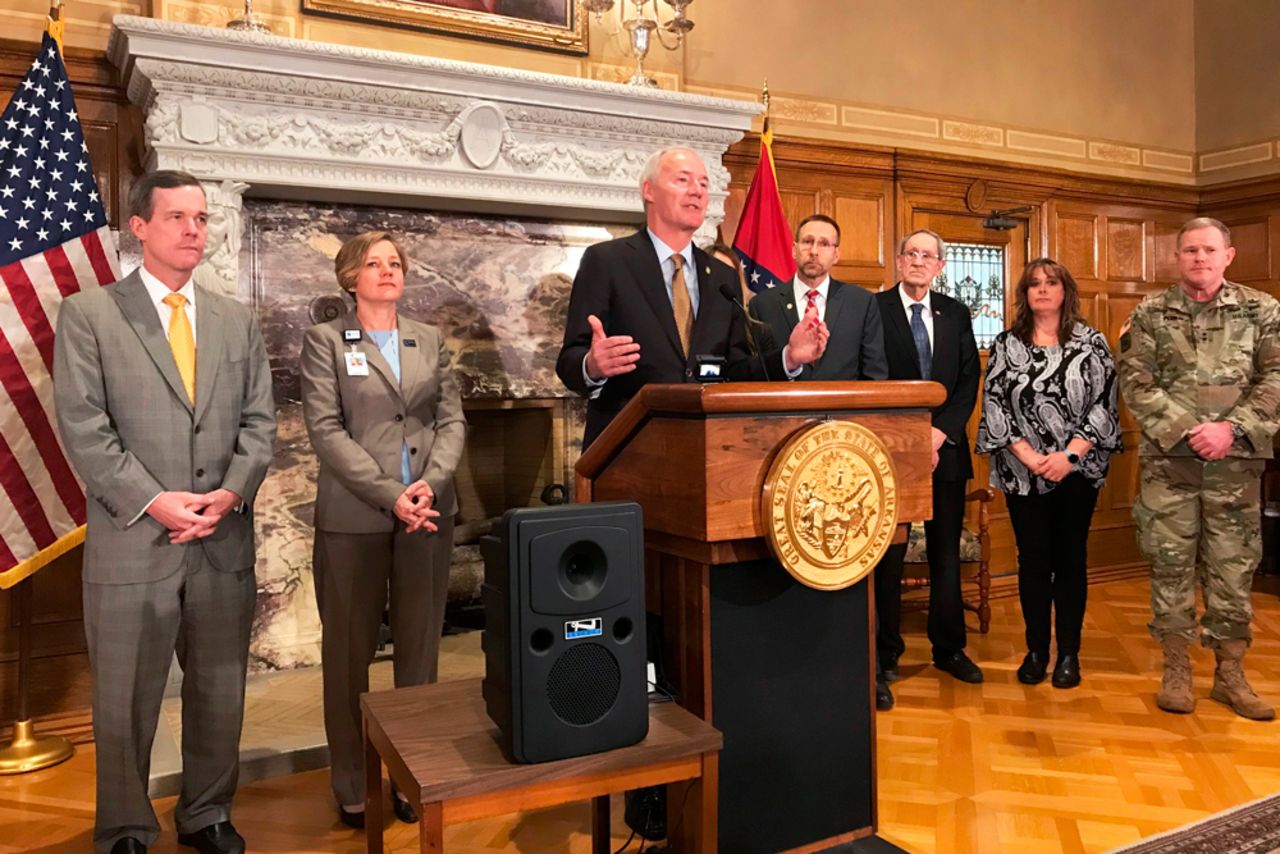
x,y
1199,367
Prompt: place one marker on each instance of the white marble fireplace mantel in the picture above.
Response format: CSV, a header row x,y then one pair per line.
x,y
292,119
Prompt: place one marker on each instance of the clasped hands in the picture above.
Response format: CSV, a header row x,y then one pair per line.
x,y
1053,466
415,508
192,516
611,355
1211,440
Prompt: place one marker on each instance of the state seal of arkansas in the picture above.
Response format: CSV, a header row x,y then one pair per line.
x,y
830,504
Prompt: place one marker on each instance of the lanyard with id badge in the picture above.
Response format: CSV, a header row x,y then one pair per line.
x,y
357,362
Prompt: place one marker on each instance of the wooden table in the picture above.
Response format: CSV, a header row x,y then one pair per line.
x,y
441,751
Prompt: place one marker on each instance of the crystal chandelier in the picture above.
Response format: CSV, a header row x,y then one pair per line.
x,y
640,20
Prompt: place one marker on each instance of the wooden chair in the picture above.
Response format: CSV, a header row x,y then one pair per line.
x,y
975,563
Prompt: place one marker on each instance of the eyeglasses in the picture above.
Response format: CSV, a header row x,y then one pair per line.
x,y
809,243
917,255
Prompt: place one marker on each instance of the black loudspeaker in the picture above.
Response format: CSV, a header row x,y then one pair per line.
x,y
564,640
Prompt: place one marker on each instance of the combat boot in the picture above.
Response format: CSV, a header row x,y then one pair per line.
x,y
1175,688
1230,686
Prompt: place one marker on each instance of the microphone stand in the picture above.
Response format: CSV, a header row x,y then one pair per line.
x,y
731,293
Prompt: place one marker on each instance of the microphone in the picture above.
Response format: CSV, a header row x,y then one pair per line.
x,y
734,295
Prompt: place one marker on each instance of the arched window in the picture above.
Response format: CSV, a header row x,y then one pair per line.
x,y
974,275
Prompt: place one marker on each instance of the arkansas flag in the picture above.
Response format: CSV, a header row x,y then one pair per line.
x,y
763,240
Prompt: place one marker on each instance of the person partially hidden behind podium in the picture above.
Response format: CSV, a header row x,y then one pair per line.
x,y
929,336
644,308
855,350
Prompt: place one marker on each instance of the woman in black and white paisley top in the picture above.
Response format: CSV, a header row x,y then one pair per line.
x,y
1050,424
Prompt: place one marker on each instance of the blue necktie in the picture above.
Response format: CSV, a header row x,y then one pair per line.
x,y
921,336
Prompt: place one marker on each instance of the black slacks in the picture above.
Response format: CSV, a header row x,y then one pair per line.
x,y
1052,533
946,609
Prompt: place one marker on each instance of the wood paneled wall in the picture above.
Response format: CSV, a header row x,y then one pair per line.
x,y
112,130
1115,236
1252,211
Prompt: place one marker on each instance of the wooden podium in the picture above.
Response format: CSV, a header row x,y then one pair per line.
x,y
783,670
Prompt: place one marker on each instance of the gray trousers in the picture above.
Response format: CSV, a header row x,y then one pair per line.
x,y
353,572
133,631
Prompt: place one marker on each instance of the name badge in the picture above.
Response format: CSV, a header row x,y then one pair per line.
x,y
410,342
351,335
357,363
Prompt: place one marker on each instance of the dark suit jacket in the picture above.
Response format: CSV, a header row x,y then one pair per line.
x,y
855,350
620,282
955,366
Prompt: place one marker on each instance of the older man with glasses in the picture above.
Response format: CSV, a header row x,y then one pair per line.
x,y
929,336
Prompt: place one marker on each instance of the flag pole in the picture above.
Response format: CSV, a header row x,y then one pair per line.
x,y
766,135
25,752
56,25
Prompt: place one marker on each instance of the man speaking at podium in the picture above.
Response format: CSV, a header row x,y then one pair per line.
x,y
652,308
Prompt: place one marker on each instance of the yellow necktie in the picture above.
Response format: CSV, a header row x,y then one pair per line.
x,y
681,304
182,343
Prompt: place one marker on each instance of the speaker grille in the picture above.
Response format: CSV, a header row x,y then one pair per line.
x,y
583,684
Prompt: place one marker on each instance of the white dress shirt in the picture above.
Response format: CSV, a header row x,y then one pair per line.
x,y
927,314
158,290
669,269
801,291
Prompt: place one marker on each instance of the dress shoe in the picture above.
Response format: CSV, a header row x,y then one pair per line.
x,y
351,818
220,838
1034,668
403,809
961,667
128,845
1066,673
890,672
884,697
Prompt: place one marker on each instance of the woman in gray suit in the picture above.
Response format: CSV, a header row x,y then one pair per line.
x,y
384,415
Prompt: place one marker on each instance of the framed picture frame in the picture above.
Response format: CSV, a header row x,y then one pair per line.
x,y
555,25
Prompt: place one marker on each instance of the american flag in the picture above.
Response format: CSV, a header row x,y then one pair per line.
x,y
54,240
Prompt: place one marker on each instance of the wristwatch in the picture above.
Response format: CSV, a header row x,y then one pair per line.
x,y
1072,456
1237,432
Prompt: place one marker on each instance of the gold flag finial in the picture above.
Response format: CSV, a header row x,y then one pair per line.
x,y
765,132
56,25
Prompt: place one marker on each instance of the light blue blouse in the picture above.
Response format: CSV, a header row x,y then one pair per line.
x,y
388,343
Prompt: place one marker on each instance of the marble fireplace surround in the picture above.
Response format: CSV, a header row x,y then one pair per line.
x,y
299,120
325,140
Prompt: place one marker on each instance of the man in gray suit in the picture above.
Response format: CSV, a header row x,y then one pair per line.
x,y
855,348
163,395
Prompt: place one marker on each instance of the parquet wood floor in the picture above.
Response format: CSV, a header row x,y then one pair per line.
x,y
997,767
1004,767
